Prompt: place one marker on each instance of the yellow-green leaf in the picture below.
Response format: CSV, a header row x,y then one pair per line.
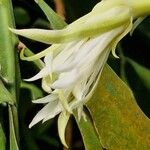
x,y
120,123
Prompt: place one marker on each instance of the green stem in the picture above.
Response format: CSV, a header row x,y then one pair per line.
x,y
8,59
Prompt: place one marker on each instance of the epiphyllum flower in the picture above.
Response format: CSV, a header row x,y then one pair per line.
x,y
75,60
77,67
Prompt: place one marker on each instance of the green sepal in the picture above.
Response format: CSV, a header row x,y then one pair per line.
x,y
87,26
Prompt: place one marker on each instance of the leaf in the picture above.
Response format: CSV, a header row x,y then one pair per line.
x,y
119,121
56,21
2,139
5,96
89,135
13,140
142,72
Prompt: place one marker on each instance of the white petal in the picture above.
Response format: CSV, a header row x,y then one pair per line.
x,y
80,112
64,54
78,89
89,88
44,72
46,82
55,112
92,48
66,80
46,99
66,57
43,113
81,53
62,123
48,61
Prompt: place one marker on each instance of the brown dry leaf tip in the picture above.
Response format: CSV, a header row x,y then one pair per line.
x,y
60,9
20,47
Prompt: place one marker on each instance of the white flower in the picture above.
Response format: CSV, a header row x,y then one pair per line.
x,y
74,62
76,70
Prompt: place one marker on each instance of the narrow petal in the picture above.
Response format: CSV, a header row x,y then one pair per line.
x,y
46,99
48,59
46,82
80,112
91,83
80,54
54,48
126,29
66,80
51,115
41,35
43,113
62,123
78,89
66,57
44,72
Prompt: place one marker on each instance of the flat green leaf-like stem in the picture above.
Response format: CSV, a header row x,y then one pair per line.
x,y
119,121
9,68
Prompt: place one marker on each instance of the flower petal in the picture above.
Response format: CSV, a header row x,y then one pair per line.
x,y
43,113
66,80
62,123
51,115
46,99
66,56
44,72
48,60
46,82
